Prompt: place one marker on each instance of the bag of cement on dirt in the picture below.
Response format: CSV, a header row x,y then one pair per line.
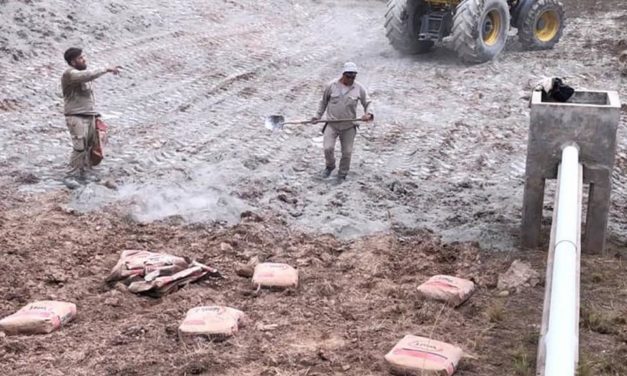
x,y
134,264
270,274
211,321
156,274
163,285
39,318
447,289
423,356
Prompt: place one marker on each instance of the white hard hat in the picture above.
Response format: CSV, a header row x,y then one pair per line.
x,y
350,67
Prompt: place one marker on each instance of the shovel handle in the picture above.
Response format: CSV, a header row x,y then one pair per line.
x,y
339,120
298,122
322,121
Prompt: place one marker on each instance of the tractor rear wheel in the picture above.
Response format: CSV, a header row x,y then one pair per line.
x,y
541,26
402,26
480,29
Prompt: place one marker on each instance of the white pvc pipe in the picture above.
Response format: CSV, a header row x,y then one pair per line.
x,y
562,340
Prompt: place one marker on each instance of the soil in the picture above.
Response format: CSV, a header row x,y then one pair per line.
x,y
355,300
435,187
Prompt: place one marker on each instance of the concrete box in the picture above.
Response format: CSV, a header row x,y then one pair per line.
x,y
589,119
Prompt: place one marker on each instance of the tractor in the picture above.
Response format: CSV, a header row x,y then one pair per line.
x,y
478,28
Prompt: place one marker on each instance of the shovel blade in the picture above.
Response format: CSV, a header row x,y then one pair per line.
x,y
275,122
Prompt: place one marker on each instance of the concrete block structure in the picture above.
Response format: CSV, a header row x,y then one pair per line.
x,y
589,120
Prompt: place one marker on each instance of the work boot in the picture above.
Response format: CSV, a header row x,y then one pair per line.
x,y
71,182
327,172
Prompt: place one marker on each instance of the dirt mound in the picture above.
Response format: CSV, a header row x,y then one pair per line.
x,y
355,299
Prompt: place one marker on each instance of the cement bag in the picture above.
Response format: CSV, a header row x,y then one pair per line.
x,y
156,285
39,318
136,263
156,274
270,274
211,321
423,356
448,289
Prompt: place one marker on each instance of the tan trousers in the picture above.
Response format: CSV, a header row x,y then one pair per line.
x,y
83,132
347,139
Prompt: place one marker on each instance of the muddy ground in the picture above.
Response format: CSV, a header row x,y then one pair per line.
x,y
443,163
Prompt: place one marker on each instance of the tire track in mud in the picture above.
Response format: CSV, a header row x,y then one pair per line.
x,y
151,105
225,108
446,151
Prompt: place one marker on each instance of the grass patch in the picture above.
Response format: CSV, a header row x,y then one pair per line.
x,y
585,367
522,363
495,312
601,322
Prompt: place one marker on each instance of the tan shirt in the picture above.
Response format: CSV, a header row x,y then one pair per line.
x,y
78,95
340,102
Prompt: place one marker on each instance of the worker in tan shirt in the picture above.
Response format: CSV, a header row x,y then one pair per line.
x,y
79,109
339,100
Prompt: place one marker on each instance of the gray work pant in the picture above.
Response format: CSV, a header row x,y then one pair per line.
x,y
83,132
347,138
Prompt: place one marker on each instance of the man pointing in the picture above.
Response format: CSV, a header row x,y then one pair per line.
x,y
79,109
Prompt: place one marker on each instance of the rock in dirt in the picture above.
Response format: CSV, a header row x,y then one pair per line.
x,y
266,327
71,183
40,317
109,183
423,356
247,270
120,287
113,298
519,274
444,288
244,270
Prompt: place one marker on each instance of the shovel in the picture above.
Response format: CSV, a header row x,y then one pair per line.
x,y
276,122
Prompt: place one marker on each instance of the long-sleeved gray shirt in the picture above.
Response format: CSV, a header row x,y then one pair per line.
x,y
78,95
340,102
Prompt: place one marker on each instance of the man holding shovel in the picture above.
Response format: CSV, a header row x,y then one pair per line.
x,y
340,102
79,110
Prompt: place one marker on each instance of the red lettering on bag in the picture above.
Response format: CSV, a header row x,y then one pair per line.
x,y
194,322
442,285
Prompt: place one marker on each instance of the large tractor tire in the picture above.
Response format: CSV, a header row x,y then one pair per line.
x,y
480,29
540,26
402,25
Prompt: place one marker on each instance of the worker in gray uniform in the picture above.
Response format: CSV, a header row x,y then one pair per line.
x,y
339,100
